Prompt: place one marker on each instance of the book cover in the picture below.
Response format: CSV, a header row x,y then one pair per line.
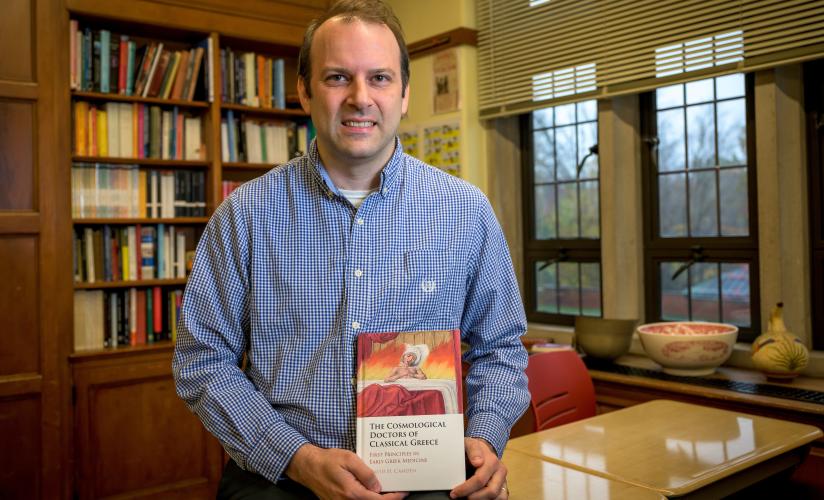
x,y
410,409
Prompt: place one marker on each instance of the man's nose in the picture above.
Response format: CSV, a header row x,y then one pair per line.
x,y
359,94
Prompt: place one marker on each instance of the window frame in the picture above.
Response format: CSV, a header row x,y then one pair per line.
x,y
814,116
578,250
728,249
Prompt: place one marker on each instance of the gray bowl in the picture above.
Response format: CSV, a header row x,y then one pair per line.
x,y
604,338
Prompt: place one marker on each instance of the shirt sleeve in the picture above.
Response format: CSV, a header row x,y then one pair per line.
x,y
212,337
492,325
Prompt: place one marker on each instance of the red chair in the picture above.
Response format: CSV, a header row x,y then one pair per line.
x,y
561,390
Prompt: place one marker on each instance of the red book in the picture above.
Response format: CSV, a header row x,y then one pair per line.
x,y
159,74
157,312
124,61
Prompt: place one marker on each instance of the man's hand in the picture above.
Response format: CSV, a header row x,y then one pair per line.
x,y
333,473
489,480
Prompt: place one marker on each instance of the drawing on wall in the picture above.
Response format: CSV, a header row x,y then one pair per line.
x,y
442,145
445,82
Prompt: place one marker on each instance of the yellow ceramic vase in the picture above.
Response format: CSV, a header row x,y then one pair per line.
x,y
777,353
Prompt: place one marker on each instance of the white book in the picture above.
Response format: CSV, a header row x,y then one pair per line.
x,y
126,131
224,141
193,143
88,320
251,98
180,259
113,128
253,145
303,139
168,195
283,144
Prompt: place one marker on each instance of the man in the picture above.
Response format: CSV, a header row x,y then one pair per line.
x,y
354,237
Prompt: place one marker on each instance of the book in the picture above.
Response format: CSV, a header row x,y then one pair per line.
x,y
410,409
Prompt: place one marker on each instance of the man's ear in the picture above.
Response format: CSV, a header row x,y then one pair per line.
x,y
303,95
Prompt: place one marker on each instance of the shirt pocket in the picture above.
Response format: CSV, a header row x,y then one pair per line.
x,y
425,289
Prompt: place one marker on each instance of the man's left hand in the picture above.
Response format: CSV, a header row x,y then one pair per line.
x,y
489,480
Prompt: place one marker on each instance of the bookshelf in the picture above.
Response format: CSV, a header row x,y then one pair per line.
x,y
128,433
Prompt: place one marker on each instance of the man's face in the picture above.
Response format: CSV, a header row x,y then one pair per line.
x,y
356,88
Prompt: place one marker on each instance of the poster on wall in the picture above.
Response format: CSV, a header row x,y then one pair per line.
x,y
409,139
442,145
445,82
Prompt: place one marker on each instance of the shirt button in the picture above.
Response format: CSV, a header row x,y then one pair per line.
x,y
359,221
358,273
355,325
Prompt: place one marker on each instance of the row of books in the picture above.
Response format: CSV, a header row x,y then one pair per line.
x,y
252,79
101,190
102,61
131,317
257,141
131,130
132,253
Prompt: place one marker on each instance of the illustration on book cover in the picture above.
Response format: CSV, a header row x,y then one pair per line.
x,y
410,408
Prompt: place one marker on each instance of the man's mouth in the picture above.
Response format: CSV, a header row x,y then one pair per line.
x,y
359,124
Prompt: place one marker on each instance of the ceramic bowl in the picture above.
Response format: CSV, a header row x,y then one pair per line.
x,y
691,348
604,338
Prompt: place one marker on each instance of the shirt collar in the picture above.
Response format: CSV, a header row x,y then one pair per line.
x,y
388,175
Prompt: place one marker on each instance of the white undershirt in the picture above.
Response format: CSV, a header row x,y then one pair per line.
x,y
356,197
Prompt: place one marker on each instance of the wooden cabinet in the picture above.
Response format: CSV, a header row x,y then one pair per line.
x,y
134,436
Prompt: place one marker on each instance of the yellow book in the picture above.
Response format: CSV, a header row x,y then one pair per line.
x,y
124,254
141,194
81,120
168,82
102,133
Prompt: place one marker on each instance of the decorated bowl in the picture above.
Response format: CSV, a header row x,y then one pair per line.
x,y
691,348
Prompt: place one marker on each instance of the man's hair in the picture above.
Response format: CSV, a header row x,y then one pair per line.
x,y
369,11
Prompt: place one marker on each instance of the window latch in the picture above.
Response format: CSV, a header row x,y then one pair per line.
x,y
697,256
562,256
593,150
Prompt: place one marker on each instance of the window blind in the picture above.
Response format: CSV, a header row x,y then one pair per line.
x,y
535,53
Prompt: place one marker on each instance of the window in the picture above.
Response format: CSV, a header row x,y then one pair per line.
x,y
701,255
561,213
814,102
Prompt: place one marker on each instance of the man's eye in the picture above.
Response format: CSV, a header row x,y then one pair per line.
x,y
335,78
381,78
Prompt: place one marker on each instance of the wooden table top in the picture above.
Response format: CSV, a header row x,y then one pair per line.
x,y
670,447
531,478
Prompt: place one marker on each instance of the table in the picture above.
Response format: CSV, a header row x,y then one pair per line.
x,y
531,478
673,448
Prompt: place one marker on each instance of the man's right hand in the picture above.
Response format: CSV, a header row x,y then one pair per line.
x,y
334,473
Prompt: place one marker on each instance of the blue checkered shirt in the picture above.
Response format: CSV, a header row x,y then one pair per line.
x,y
289,272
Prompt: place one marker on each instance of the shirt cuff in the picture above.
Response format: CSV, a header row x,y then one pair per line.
x,y
491,428
274,451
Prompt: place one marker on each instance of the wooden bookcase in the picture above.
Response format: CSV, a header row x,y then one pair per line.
x,y
94,424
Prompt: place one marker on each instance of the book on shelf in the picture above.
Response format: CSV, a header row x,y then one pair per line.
x,y
257,141
133,130
108,62
252,79
229,186
410,409
101,190
131,253
127,317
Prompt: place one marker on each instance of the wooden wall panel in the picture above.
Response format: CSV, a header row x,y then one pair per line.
x,y
16,42
20,459
146,415
20,348
16,153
